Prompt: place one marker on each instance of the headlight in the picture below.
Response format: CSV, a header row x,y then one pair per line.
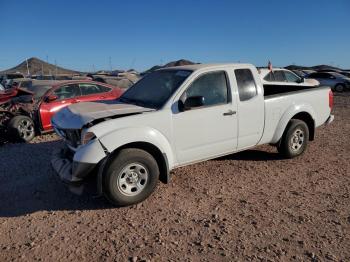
x,y
86,137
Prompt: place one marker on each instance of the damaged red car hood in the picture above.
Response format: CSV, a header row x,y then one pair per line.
x,y
78,115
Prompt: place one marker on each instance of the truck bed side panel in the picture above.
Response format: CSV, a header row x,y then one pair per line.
x,y
280,108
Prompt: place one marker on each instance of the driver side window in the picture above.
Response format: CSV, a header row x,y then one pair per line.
x,y
67,91
212,86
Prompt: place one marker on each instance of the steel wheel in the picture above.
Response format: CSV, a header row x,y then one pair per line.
x,y
297,140
294,140
132,179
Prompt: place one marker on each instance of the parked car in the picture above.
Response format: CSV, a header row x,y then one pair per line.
x,y
25,116
345,73
336,81
299,73
6,79
281,76
178,116
308,71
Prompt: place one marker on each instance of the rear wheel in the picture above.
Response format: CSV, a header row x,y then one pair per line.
x,y
21,128
294,140
131,177
339,88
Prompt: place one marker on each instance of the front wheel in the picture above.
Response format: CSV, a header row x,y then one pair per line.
x,y
294,140
131,177
21,128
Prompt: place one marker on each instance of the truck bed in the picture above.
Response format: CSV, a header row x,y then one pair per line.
x,y
282,99
270,90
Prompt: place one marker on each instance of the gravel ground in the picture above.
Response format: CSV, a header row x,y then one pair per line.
x,y
251,206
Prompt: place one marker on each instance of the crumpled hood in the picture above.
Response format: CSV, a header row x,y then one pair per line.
x,y
77,115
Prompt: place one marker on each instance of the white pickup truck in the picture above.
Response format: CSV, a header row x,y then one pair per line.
x,y
179,116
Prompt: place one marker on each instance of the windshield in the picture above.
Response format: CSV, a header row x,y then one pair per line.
x,y
38,90
154,90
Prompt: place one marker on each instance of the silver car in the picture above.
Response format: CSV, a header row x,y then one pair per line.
x,y
336,81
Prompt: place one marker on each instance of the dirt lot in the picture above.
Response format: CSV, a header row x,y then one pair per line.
x,y
252,206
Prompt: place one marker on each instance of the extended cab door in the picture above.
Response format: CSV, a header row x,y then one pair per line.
x,y
211,129
251,107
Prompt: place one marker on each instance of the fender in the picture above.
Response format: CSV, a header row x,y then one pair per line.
x,y
120,137
288,115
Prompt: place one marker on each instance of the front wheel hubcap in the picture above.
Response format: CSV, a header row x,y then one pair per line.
x,y
26,129
132,179
297,140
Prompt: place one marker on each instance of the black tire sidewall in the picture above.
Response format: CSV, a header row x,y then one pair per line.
x,y
285,148
342,88
13,128
116,165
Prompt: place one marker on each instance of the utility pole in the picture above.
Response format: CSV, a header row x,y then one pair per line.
x,y
110,63
55,68
42,69
27,67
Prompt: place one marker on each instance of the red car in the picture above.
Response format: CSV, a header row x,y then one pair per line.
x,y
16,89
25,116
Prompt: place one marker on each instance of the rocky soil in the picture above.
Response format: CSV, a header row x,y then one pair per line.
x,y
251,206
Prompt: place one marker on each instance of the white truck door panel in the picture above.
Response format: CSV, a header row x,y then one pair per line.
x,y
251,108
205,132
211,129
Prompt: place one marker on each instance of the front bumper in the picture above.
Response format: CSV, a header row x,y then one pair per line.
x,y
69,171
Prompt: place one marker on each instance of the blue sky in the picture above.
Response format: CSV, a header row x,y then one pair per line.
x,y
85,34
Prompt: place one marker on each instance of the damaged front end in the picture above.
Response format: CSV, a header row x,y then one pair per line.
x,y
23,105
83,152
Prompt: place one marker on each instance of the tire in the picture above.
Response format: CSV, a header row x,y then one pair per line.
x,y
130,177
21,128
339,88
294,140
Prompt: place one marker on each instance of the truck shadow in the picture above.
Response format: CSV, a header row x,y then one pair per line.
x,y
28,183
253,155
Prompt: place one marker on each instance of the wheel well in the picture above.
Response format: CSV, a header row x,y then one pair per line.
x,y
161,158
306,117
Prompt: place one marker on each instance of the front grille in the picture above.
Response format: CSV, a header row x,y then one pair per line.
x,y
72,137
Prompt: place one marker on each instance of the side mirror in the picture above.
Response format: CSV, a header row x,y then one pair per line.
x,y
301,80
51,98
193,101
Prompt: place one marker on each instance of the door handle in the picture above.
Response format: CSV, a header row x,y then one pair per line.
x,y
230,113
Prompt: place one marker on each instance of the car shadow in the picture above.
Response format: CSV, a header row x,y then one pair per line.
x,y
253,155
28,183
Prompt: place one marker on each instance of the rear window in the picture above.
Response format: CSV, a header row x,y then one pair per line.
x,y
246,84
90,89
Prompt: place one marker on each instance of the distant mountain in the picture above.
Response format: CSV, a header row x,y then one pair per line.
x,y
38,67
316,68
180,62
